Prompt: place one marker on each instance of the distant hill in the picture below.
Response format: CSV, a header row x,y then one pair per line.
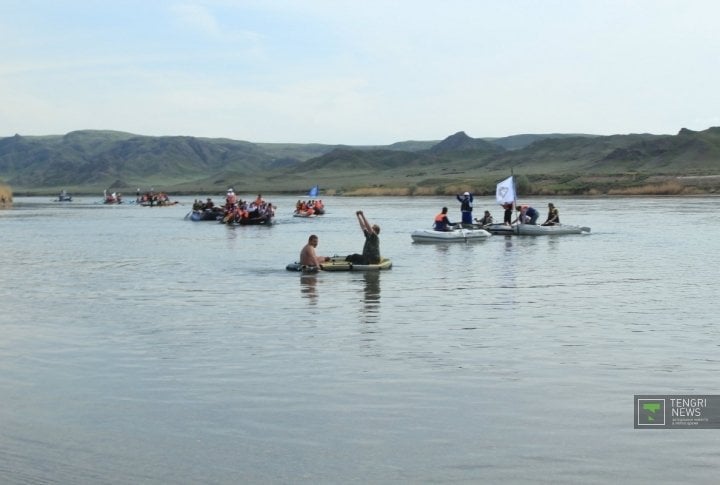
x,y
90,160
103,157
516,142
460,142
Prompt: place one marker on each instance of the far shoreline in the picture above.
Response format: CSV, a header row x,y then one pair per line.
x,y
625,185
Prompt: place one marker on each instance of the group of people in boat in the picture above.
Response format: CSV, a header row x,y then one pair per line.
x,y
112,198
63,196
530,215
241,211
309,207
154,199
526,215
200,205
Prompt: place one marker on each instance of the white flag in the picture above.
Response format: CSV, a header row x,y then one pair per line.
x,y
505,192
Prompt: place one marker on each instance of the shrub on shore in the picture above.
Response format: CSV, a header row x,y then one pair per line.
x,y
6,197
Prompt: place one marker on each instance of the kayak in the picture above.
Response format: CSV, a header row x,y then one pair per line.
x,y
338,263
456,235
535,230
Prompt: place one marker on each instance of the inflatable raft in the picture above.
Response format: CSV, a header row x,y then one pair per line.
x,y
456,235
338,263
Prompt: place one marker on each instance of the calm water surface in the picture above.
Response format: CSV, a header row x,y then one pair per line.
x,y
139,347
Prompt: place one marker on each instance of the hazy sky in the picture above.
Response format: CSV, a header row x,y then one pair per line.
x,y
358,71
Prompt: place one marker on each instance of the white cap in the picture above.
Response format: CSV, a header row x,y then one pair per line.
x,y
466,193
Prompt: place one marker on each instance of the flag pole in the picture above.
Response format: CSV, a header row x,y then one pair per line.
x,y
512,174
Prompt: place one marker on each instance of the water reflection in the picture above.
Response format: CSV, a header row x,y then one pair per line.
x,y
371,296
369,315
507,277
442,248
508,243
231,237
308,287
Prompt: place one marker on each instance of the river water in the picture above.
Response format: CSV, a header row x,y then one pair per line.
x,y
140,347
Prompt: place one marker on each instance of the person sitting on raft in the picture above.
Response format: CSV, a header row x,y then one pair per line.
x,y
442,223
553,216
308,257
371,248
486,220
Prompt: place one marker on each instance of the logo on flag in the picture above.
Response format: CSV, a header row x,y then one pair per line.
x,y
505,192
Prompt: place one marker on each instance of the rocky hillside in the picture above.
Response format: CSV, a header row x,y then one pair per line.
x,y
103,159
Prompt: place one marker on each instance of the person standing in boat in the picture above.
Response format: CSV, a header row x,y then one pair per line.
x,y
553,216
486,219
507,217
442,223
308,257
371,248
230,198
466,207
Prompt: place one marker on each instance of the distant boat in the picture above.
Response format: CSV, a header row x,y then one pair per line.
x,y
64,197
311,207
113,198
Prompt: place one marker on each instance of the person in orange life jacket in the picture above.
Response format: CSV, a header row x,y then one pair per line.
x,y
442,223
466,207
528,215
553,216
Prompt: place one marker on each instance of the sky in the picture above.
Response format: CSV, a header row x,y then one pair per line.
x,y
368,72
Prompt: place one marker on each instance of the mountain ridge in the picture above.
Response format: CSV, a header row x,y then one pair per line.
x,y
91,159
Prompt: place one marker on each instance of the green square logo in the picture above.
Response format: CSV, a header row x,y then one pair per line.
x,y
651,412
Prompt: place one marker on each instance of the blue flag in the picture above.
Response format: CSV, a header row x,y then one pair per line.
x,y
314,191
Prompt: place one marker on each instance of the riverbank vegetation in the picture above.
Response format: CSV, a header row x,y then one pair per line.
x,y
6,195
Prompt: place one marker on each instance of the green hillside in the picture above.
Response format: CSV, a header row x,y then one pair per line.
x,y
89,161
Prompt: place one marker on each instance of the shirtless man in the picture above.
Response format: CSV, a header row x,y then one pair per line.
x,y
308,256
